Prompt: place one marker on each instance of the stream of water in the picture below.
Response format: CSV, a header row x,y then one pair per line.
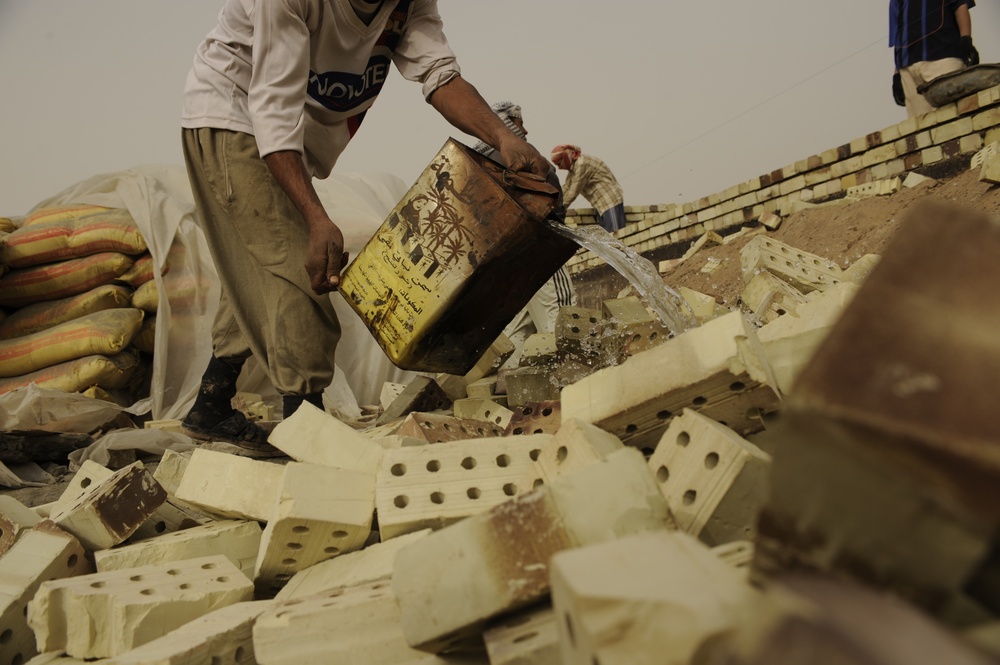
x,y
673,310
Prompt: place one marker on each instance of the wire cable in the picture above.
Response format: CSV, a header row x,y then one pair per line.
x,y
770,99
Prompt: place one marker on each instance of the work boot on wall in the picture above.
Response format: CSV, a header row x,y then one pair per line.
x,y
213,418
291,403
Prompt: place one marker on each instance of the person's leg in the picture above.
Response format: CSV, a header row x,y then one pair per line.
x,y
544,307
565,293
613,219
919,73
259,242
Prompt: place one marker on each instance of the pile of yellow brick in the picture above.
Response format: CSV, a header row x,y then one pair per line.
x,y
817,485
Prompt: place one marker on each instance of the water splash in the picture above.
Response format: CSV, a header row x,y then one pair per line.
x,y
673,310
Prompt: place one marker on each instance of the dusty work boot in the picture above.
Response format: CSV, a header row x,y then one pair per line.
x,y
213,418
291,403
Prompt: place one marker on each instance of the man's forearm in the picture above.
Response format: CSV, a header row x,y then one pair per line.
x,y
460,104
964,20
288,170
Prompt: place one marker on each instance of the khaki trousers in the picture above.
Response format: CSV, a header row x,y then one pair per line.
x,y
919,73
258,241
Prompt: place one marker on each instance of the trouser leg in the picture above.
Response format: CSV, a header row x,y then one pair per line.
x,y
259,242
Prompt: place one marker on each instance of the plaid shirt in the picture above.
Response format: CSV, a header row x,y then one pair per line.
x,y
593,180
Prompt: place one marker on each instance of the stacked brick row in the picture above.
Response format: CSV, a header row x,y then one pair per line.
x,y
958,128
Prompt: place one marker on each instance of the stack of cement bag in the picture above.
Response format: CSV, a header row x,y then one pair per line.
x,y
78,301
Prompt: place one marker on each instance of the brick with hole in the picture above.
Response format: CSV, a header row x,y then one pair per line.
x,y
314,436
543,417
422,487
320,513
714,480
112,509
439,428
42,553
575,445
716,368
101,615
658,598
453,581
528,637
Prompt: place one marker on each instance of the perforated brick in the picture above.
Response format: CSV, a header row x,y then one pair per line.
x,y
321,512
105,614
659,596
238,540
714,480
371,564
717,368
43,552
575,445
452,581
432,486
535,418
221,636
439,428
110,510
806,272
529,637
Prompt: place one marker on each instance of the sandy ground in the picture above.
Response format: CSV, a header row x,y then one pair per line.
x,y
841,233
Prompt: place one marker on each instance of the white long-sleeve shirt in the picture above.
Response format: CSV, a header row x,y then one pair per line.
x,y
300,74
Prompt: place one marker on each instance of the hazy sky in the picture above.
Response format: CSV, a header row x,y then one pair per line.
x,y
680,99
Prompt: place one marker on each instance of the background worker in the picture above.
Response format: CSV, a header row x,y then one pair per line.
x,y
539,315
276,91
591,178
929,38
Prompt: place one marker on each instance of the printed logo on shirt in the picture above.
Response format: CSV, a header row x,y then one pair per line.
x,y
344,91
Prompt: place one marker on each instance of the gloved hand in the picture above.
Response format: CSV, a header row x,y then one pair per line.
x,y
897,90
970,56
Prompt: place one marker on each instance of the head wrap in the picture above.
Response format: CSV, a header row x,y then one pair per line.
x,y
564,155
508,112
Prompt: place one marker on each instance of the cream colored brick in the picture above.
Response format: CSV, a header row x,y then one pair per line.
x,y
717,367
539,348
646,599
983,155
221,636
238,540
452,581
702,306
390,391
529,637
932,155
714,480
42,553
574,446
314,436
952,130
970,143
768,296
432,486
320,512
858,271
806,272
110,510
170,470
231,486
171,425
105,614
878,155
991,170
15,518
359,625
371,564
491,411
789,341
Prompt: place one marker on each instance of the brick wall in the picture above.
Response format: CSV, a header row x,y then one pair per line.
x,y
958,128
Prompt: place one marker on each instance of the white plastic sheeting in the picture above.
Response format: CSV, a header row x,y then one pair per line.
x,y
159,199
